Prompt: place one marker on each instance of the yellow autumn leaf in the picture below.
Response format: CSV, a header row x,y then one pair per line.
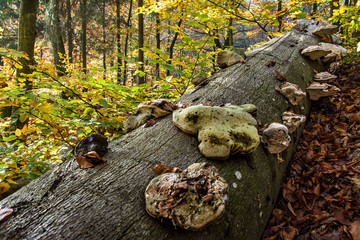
x,y
4,187
11,181
356,181
24,129
45,107
23,117
18,132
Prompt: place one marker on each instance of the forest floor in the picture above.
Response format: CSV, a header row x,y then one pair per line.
x,y
320,197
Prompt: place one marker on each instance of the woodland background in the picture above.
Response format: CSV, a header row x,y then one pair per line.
x,y
69,68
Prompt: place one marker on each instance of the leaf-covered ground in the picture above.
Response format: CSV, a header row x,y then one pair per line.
x,y
320,198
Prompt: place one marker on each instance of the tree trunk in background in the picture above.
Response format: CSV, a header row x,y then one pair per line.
x,y
107,201
158,43
128,25
334,4
279,18
55,35
229,41
172,45
104,37
314,9
118,43
141,42
83,33
69,30
26,43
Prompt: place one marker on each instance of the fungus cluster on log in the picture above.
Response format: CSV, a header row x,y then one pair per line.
x,y
221,131
148,111
226,59
292,92
192,199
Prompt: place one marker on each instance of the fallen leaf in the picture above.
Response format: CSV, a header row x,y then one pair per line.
x,y
5,213
355,230
289,233
94,157
279,76
83,162
4,187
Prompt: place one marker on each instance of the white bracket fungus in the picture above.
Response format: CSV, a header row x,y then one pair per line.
x,y
221,131
292,121
326,30
226,59
324,77
315,52
276,138
149,110
317,90
292,92
192,199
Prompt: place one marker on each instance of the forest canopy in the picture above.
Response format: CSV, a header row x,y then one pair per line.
x,y
74,67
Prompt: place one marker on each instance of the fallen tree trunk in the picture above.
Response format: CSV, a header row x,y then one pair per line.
x,y
107,201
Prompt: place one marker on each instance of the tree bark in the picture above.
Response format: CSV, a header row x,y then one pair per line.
x,y
107,201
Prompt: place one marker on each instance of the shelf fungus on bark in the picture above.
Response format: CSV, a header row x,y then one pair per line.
x,y
317,90
221,131
90,150
326,30
226,59
276,138
292,121
324,77
148,111
192,200
315,52
292,92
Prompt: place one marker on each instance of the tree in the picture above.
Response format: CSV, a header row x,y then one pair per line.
x,y
141,43
26,42
107,202
83,9
55,34
69,30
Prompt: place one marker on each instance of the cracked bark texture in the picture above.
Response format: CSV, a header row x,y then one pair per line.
x,y
107,201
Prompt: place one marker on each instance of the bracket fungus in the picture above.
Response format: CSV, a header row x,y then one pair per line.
x,y
292,92
315,52
149,110
192,199
324,77
222,131
276,138
317,90
292,121
89,151
226,59
326,30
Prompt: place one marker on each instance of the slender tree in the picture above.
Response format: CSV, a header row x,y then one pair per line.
x,y
55,35
128,25
83,34
118,42
141,42
172,45
104,36
69,30
158,42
